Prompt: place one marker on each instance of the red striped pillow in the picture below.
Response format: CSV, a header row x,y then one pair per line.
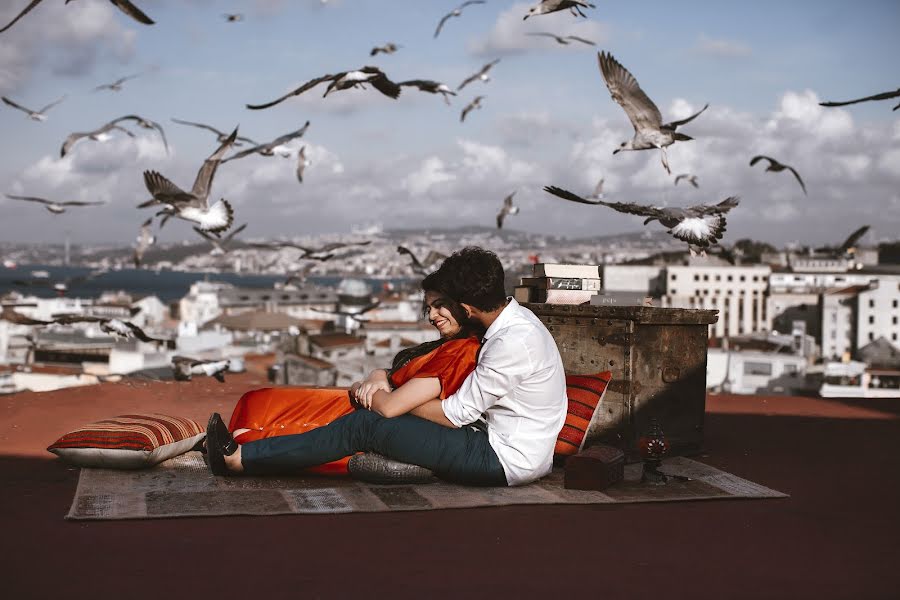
x,y
128,441
584,393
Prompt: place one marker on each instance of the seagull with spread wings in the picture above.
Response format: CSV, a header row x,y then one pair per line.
x,y
183,368
649,130
98,135
276,146
777,167
145,239
882,96
691,179
233,17
117,328
388,48
456,12
194,205
124,5
432,87
57,208
220,246
145,124
34,115
10,315
302,163
551,6
221,136
507,209
564,40
342,81
849,244
421,266
115,86
701,225
355,315
475,103
480,75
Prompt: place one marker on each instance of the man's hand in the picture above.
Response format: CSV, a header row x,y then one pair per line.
x,y
367,389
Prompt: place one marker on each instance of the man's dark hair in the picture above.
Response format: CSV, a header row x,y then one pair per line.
x,y
473,276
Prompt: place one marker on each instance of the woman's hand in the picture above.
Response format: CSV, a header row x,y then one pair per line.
x,y
366,391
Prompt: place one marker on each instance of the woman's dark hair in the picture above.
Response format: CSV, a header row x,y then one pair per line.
x,y
473,276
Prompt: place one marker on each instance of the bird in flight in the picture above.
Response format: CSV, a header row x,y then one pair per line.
x,y
882,96
233,17
506,209
145,124
342,81
849,244
482,75
701,225
551,6
302,163
564,40
124,5
98,135
115,86
220,245
432,87
34,115
56,208
194,205
691,179
456,12
276,146
649,130
776,167
355,315
116,327
421,266
221,136
388,48
10,315
183,368
145,239
475,103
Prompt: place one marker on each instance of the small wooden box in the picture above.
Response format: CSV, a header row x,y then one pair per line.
x,y
595,468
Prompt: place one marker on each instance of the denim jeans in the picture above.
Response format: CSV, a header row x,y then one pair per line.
x,y
458,455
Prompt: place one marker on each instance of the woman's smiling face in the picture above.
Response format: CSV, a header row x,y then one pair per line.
x,y
440,316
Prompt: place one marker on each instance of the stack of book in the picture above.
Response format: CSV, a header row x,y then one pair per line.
x,y
573,284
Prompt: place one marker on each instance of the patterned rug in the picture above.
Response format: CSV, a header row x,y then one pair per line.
x,y
183,487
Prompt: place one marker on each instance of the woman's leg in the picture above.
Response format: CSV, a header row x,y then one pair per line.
x,y
461,455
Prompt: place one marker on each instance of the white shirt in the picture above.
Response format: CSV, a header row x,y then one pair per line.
x,y
519,388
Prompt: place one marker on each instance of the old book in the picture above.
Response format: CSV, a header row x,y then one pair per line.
x,y
621,299
563,283
594,468
561,296
522,293
561,270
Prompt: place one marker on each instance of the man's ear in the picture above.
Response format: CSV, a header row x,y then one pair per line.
x,y
470,310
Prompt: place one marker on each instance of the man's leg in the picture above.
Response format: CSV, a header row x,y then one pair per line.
x,y
461,455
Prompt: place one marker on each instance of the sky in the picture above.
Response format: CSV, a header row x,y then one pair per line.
x,y
546,119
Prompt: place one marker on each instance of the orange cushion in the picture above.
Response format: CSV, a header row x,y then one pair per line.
x,y
584,393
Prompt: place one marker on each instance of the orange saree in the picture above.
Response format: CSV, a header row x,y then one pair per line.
x,y
270,412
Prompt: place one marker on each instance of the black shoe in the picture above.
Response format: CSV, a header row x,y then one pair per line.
x,y
219,444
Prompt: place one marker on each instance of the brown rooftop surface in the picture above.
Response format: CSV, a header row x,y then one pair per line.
x,y
835,537
331,340
257,320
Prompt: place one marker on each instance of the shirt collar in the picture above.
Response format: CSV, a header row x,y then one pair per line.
x,y
502,319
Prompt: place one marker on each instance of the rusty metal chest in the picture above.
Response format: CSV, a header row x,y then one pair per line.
x,y
657,357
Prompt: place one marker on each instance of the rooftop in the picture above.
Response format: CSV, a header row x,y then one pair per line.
x,y
835,537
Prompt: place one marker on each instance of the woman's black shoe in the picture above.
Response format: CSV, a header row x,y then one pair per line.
x,y
219,444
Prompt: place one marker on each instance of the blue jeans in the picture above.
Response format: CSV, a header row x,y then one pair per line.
x,y
458,455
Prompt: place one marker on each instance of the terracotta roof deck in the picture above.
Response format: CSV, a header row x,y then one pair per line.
x,y
835,537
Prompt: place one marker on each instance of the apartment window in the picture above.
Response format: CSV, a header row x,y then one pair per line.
x,y
696,277
894,337
743,278
730,278
893,320
872,303
673,277
871,319
871,336
757,368
894,304
718,278
674,292
834,334
706,278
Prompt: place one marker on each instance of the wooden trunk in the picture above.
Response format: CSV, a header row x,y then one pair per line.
x,y
657,357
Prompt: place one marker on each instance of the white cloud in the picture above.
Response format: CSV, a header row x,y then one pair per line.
x,y
431,172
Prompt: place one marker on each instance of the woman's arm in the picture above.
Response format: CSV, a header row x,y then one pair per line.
x,y
408,396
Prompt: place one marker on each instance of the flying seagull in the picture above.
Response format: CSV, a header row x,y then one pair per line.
x,y
10,315
848,245
233,17
145,239
456,12
355,315
691,179
55,207
116,327
550,6
649,130
276,146
194,205
506,209
482,75
476,103
302,163
432,87
421,266
220,246
300,275
343,81
306,251
221,136
98,135
882,96
34,115
598,191
115,86
776,167
145,124
564,40
183,368
388,48
124,5
701,225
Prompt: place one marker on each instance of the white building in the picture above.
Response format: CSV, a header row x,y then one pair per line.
x,y
754,372
202,302
645,279
878,311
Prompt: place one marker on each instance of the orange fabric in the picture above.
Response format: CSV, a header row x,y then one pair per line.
x,y
271,412
584,393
